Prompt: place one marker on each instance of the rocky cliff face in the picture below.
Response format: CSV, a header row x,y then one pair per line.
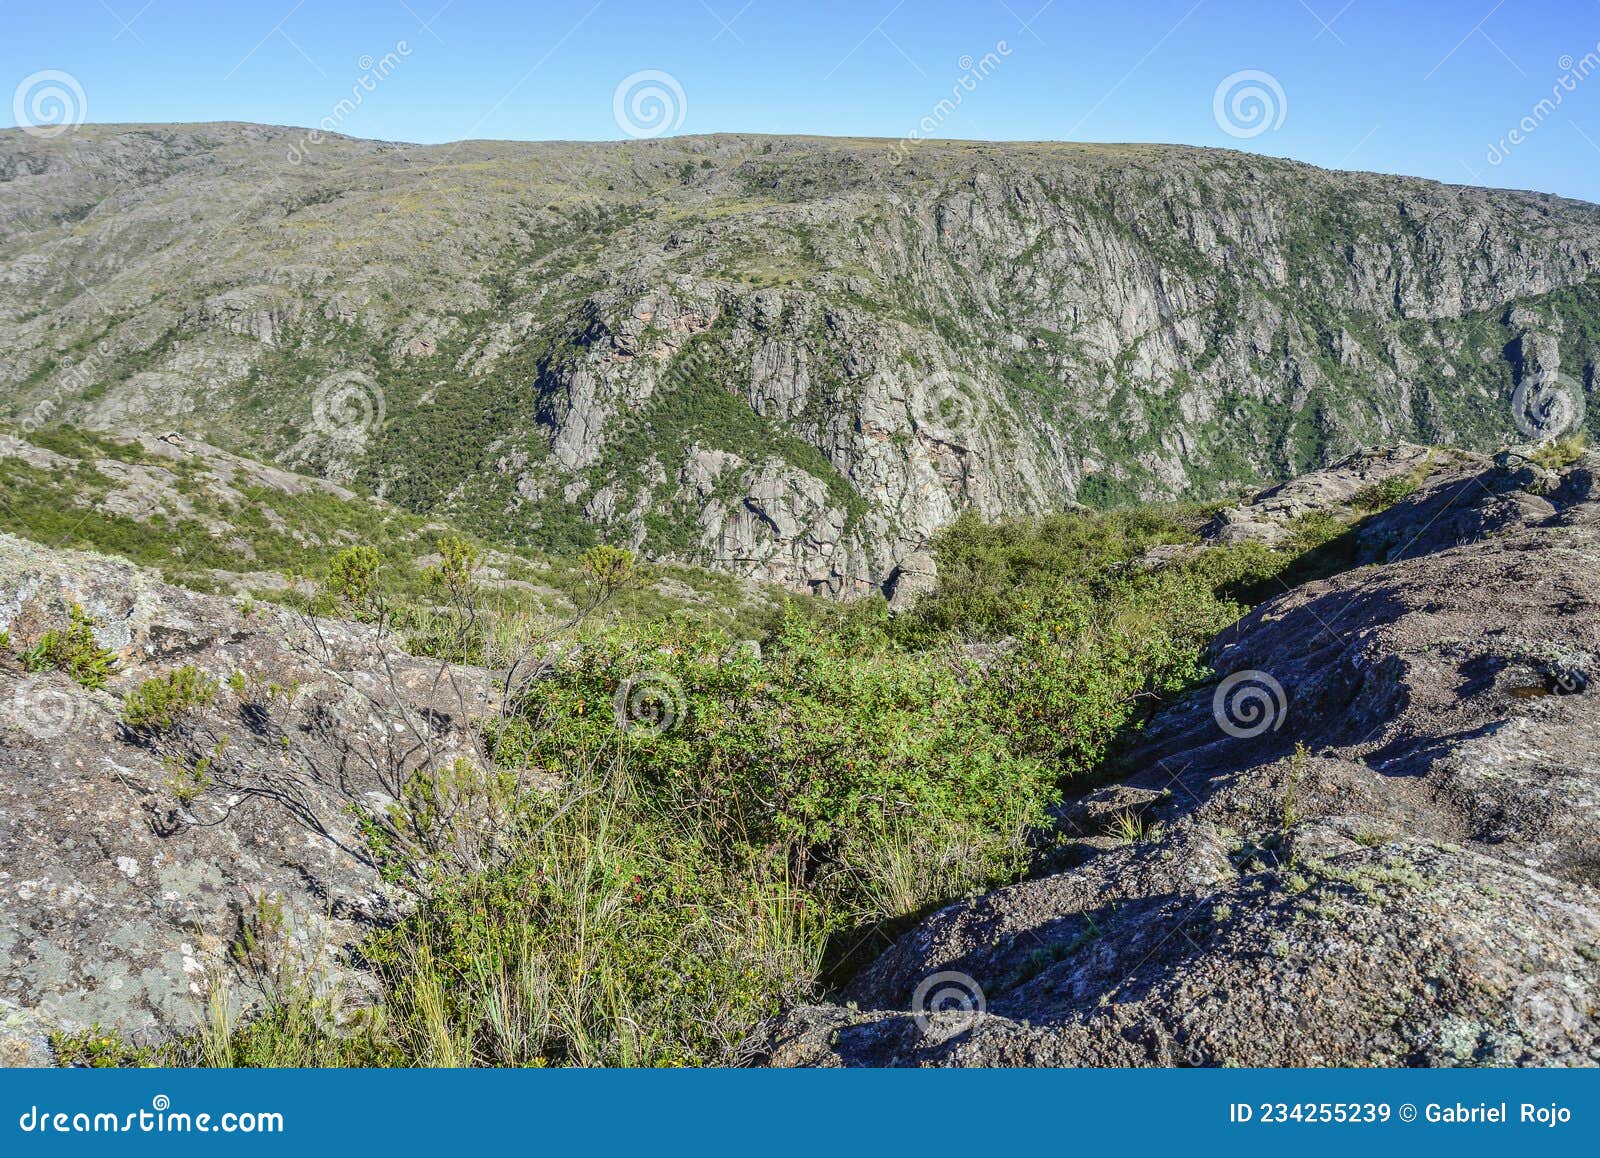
x,y
790,358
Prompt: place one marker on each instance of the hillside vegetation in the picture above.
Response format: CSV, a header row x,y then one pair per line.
x,y
669,602
791,359
672,834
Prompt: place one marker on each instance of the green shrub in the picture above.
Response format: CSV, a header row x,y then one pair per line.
x,y
803,753
615,937
603,574
158,703
1315,529
732,828
1562,452
987,570
74,651
732,824
1090,666
452,578
100,1048
352,583
1380,496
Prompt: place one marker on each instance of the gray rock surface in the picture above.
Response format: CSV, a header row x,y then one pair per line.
x,y
1268,517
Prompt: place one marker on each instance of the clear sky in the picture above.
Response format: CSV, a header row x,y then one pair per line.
x,y
1429,87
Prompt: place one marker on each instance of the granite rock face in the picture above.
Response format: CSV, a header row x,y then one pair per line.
x,y
1373,840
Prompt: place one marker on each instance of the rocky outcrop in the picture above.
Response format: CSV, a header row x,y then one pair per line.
x,y
131,875
1371,841
1337,492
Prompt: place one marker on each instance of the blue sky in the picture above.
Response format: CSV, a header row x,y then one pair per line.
x,y
1430,88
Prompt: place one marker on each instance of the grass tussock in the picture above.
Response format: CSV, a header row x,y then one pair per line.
x,y
1561,453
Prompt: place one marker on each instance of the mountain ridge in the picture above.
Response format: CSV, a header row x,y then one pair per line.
x,y
90,128
791,358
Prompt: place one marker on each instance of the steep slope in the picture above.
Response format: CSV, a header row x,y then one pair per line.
x,y
792,358
217,522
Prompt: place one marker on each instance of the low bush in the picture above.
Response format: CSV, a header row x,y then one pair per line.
x,y
677,832
1561,452
74,651
796,755
352,585
1380,496
615,936
159,703
988,570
